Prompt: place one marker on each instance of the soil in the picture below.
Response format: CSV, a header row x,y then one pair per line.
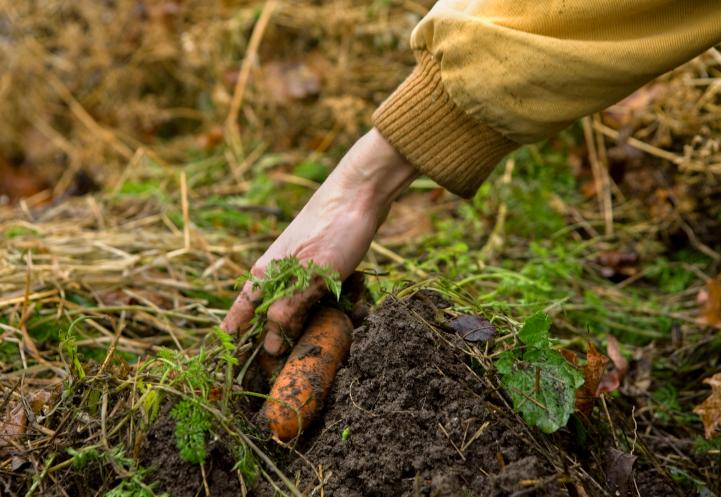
x,y
412,406
179,478
408,416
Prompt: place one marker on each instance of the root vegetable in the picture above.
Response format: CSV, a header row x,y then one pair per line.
x,y
308,374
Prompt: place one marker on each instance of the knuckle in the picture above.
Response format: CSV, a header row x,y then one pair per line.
x,y
258,270
286,318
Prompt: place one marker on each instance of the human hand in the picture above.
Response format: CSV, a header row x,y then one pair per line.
x,y
335,228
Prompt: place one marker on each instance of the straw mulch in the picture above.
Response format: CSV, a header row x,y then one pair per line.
x,y
140,91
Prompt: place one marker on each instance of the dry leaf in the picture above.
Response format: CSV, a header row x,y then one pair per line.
x,y
619,472
618,262
473,328
408,220
593,371
711,313
13,424
285,81
570,356
612,380
710,409
19,183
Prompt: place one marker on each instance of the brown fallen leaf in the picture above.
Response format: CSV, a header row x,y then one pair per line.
x,y
710,409
612,380
19,183
570,356
618,262
408,221
15,421
593,371
619,472
711,302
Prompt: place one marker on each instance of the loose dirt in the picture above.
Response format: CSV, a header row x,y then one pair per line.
x,y
180,478
419,420
409,416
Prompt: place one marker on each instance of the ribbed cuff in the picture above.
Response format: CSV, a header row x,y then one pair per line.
x,y
422,122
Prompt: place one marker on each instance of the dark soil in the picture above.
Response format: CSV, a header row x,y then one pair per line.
x,y
180,478
411,407
418,421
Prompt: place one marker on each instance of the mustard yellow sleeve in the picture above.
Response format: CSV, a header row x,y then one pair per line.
x,y
494,74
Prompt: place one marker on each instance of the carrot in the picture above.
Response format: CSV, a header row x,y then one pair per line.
x,y
308,374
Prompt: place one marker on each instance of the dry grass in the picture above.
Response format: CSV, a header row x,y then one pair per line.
x,y
137,95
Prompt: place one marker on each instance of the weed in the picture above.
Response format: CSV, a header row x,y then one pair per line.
x,y
541,383
68,344
192,372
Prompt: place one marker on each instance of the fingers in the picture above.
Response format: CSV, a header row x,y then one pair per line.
x,y
287,317
242,310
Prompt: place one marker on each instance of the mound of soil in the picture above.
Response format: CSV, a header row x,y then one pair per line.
x,y
408,416
417,420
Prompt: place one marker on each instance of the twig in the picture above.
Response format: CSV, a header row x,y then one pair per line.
x,y
638,144
185,209
600,177
87,120
386,252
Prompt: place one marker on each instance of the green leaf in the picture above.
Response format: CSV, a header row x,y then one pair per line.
x,y
504,363
534,332
540,382
543,388
226,341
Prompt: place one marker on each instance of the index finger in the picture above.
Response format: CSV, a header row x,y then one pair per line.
x,y
243,309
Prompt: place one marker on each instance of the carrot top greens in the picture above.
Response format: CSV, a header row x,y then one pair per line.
x,y
286,276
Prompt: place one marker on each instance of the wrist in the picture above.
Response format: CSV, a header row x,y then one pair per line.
x,y
375,171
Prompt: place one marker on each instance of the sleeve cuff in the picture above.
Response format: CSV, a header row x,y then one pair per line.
x,y
424,124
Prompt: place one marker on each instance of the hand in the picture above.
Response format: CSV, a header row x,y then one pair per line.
x,y
335,228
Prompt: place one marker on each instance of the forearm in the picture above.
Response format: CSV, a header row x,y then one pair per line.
x,y
521,70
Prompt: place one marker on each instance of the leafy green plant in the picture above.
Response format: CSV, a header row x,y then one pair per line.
x,y
227,353
541,383
68,345
284,277
192,423
192,371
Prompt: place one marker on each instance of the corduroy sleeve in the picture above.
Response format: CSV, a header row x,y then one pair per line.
x,y
494,74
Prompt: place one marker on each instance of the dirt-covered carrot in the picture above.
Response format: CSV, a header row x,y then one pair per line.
x,y
306,378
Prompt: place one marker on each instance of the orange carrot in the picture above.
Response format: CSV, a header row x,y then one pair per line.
x,y
308,374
